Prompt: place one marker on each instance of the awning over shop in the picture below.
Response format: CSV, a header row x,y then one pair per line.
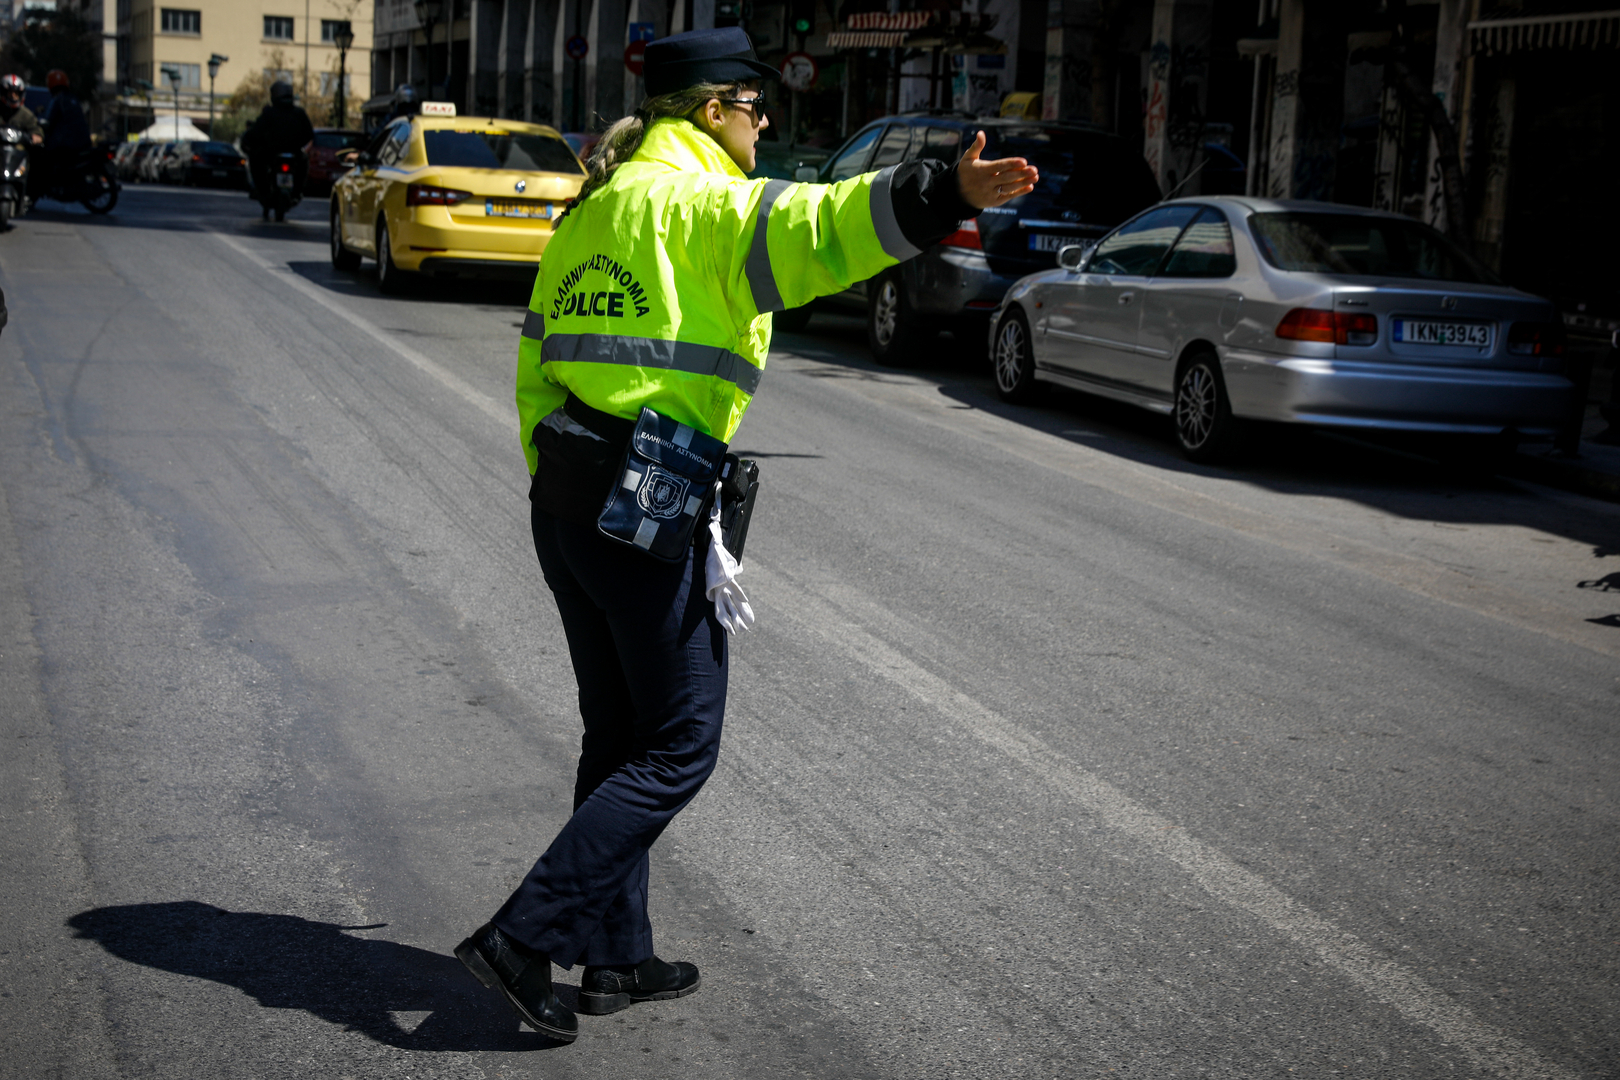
x,y
867,39
1589,30
948,31
890,20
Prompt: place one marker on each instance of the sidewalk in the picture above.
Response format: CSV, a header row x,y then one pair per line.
x,y
1595,471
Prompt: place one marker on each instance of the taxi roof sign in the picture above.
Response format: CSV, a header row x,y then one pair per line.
x,y
438,108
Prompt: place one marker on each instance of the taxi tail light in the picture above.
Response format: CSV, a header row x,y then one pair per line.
x,y
1536,339
1329,327
428,195
965,237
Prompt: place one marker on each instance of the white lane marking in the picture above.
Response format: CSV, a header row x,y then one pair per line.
x,y
837,615
505,413
1483,1046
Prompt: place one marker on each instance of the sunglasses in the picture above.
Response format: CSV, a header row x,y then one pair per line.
x,y
757,104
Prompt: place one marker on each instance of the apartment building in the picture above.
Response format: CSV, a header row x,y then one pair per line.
x,y
295,39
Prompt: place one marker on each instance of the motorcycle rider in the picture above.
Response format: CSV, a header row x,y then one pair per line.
x,y
13,113
67,132
281,128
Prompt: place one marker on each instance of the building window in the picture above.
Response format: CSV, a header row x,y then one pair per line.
x,y
190,75
330,27
329,84
180,21
278,28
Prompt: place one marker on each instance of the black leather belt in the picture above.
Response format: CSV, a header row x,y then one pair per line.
x,y
614,429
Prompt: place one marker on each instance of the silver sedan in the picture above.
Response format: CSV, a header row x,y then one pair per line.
x,y
1224,308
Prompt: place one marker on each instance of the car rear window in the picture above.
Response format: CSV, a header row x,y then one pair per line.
x,y
1354,244
339,140
1089,173
499,150
213,148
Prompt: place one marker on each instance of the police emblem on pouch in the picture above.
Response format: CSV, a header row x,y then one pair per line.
x,y
665,482
661,494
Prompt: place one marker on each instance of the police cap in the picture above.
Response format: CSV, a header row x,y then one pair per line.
x,y
722,55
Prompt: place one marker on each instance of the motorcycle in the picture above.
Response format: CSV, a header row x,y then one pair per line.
x,y
13,174
87,178
282,188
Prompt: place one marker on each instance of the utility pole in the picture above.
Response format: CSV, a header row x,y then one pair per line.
x,y
213,70
173,75
343,38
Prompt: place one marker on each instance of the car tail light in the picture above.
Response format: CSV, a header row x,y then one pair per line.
x,y
965,237
428,195
1330,327
196,157
1536,339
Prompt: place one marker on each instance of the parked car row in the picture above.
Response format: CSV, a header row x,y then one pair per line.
x,y
1216,311
193,163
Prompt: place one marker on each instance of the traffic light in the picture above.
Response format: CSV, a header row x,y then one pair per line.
x,y
803,17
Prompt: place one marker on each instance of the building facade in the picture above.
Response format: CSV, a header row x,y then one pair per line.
x,y
1493,120
293,40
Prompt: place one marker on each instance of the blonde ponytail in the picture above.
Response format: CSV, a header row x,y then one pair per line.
x,y
623,138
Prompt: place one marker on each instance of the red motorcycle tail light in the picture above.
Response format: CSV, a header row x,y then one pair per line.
x,y
428,195
1329,327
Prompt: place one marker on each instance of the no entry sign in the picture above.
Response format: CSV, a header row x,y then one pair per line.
x,y
799,71
635,54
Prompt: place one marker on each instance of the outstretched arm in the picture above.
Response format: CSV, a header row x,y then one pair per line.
x,y
984,184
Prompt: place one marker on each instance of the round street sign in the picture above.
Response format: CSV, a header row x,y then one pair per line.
x,y
635,54
576,47
799,71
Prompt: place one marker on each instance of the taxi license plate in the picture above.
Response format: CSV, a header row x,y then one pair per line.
x,y
519,208
1430,332
1049,242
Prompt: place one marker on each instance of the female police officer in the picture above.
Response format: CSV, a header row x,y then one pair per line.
x,y
656,293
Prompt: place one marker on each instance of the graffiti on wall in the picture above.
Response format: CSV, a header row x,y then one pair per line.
x,y
1173,118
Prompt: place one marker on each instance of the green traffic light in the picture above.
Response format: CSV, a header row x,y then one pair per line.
x,y
801,26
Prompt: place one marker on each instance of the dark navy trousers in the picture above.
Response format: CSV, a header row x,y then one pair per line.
x,y
650,659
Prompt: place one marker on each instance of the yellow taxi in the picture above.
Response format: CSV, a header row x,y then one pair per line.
x,y
452,196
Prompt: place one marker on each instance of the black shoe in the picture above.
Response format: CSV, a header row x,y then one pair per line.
x,y
524,977
607,990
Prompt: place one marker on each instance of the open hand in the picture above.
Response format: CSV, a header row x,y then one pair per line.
x,y
990,183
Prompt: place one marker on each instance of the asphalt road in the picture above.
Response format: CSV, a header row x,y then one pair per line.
x,y
1051,755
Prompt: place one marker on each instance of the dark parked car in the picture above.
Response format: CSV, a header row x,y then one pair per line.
x,y
325,164
1090,182
204,164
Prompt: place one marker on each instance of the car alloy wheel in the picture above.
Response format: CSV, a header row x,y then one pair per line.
x,y
1205,427
342,257
390,278
886,312
1013,359
891,333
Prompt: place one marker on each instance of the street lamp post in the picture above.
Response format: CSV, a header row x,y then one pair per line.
x,y
427,13
213,70
173,75
343,38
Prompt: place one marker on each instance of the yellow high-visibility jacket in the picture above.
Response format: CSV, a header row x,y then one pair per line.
x,y
658,289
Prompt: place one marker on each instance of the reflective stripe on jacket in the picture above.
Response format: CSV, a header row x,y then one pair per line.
x,y
657,290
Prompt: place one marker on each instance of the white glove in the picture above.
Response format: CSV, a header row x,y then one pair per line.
x,y
730,602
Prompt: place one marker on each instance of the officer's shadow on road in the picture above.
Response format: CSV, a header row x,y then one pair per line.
x,y
396,994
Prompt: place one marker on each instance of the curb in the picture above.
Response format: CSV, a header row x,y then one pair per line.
x,y
1565,474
